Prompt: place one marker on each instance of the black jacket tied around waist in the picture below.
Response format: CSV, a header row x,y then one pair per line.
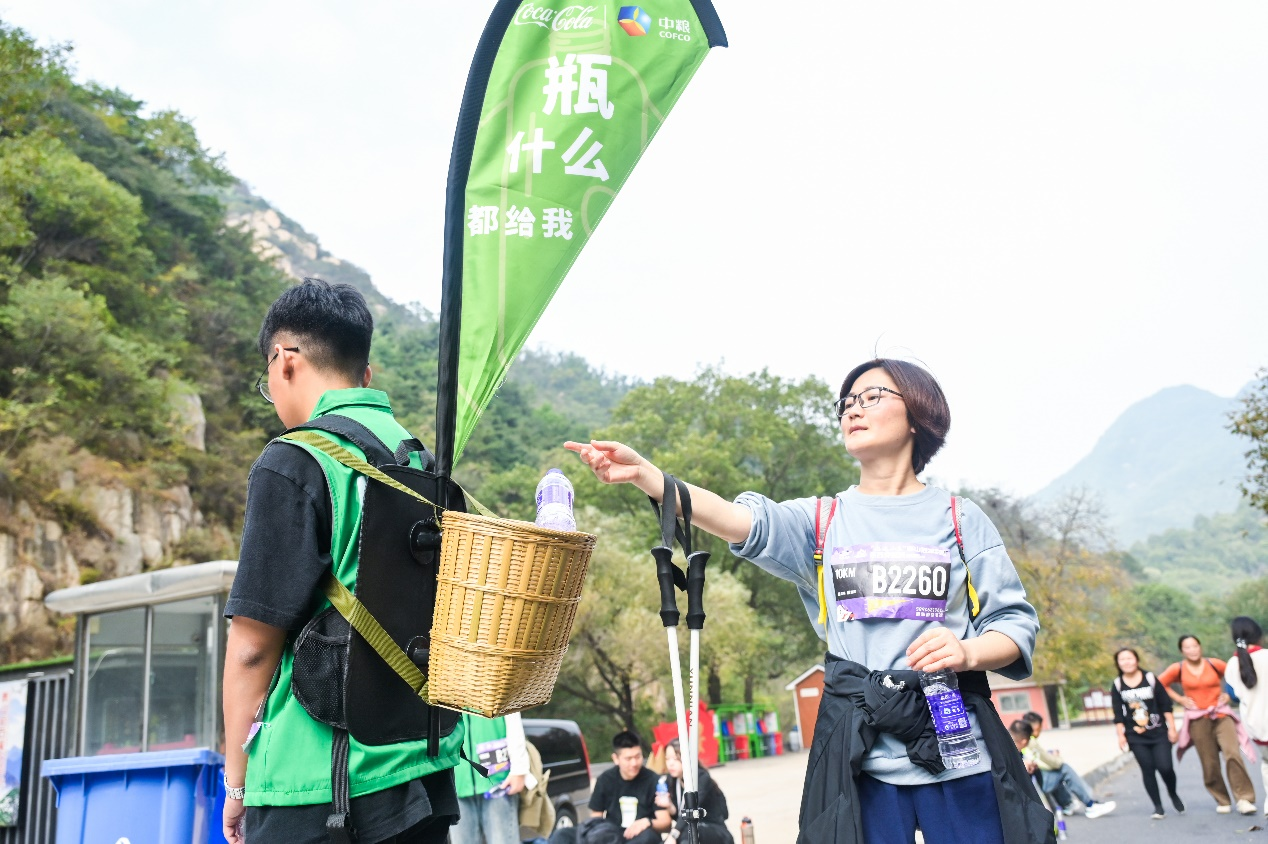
x,y
858,704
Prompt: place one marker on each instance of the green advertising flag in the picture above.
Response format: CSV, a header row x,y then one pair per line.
x,y
567,96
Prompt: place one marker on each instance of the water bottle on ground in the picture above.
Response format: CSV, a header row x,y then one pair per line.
x,y
746,832
1059,815
554,502
950,719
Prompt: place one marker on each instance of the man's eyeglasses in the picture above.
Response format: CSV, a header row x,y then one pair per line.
x,y
262,383
863,400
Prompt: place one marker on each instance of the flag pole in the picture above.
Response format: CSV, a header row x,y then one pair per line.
x,y
455,204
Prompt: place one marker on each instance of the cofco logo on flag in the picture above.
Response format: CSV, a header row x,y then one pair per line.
x,y
634,20
567,19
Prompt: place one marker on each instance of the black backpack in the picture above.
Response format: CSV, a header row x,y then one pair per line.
x,y
361,665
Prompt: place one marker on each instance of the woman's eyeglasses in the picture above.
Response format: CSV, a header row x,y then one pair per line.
x,y
862,399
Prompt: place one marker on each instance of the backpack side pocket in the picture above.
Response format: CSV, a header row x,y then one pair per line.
x,y
321,668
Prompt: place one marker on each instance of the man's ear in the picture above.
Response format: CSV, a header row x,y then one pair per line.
x,y
365,378
287,363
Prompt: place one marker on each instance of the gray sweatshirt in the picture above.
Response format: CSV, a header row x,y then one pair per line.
x,y
911,540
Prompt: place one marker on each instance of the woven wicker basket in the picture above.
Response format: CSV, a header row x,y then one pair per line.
x,y
506,597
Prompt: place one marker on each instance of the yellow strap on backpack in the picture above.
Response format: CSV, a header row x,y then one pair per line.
x,y
974,607
337,452
821,536
375,636
340,597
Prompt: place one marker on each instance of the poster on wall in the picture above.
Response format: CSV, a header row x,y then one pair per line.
x,y
12,736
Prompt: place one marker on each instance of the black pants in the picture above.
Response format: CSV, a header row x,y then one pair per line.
x,y
1154,757
432,830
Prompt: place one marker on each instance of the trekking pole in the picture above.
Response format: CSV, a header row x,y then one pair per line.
x,y
695,623
669,577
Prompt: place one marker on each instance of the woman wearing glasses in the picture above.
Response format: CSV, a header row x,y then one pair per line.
x,y
893,593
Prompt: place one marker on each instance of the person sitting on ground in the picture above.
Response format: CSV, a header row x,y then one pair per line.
x,y
1211,725
712,827
1022,734
1056,775
623,802
1245,669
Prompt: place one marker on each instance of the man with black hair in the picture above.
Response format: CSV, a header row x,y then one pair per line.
x,y
302,522
1058,779
623,802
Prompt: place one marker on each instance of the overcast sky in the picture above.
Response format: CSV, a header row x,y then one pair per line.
x,y
1059,208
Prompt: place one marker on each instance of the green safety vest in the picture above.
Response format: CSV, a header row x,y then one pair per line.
x,y
485,743
289,760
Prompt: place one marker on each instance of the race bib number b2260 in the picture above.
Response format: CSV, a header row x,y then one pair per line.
x,y
893,580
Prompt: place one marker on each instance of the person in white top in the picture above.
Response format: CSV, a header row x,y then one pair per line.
x,y
1247,665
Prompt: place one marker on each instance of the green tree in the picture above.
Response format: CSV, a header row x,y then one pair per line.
x,y
1159,614
729,434
1251,422
617,666
1073,579
70,374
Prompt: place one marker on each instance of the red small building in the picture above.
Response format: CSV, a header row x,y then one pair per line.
x,y
1014,698
807,693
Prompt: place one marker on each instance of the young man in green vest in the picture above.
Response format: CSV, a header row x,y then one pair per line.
x,y
302,520
490,805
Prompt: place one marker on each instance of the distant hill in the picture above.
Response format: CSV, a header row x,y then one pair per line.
x,y
1211,557
1164,461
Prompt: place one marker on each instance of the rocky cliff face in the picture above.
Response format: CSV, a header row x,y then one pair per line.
x,y
90,527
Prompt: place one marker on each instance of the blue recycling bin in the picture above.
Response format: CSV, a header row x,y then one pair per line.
x,y
166,797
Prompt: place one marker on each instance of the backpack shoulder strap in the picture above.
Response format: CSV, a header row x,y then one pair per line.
x,y
376,451
1118,683
825,509
975,607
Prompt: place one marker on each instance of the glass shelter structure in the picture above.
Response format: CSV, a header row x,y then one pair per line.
x,y
149,653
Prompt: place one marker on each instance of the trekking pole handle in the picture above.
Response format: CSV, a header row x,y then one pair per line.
x,y
695,589
665,570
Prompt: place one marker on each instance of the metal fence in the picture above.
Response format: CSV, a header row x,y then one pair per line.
x,y
48,706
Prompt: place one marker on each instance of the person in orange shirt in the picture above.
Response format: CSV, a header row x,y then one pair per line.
x,y
1213,732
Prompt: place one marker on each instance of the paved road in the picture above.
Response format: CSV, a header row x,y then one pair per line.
x,y
1199,823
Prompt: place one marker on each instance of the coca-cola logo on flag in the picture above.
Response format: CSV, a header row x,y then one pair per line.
x,y
567,19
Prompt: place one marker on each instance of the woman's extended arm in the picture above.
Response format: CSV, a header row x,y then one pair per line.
x,y
614,463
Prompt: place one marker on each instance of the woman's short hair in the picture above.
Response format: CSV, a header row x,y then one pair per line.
x,y
927,409
1180,641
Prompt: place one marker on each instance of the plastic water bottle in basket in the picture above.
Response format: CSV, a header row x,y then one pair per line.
x,y
554,502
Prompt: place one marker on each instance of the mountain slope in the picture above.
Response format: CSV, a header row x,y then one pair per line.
x,y
1164,461
1217,553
